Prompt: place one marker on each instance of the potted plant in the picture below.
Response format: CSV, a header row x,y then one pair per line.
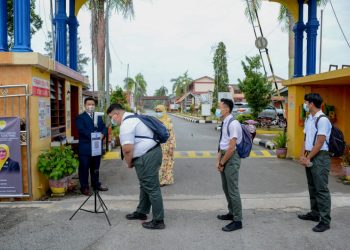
x,y
57,164
280,141
346,166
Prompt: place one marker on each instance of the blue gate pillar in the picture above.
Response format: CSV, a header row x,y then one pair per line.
x,y
61,32
311,30
73,36
3,26
21,26
298,29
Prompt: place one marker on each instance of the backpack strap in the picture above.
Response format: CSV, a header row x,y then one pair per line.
x,y
139,136
316,124
228,126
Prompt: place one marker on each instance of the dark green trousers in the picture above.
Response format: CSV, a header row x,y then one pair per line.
x,y
229,178
317,180
147,170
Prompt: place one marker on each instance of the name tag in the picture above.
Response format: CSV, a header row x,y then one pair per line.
x,y
96,144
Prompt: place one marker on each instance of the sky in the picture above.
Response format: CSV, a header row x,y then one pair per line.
x,y
167,38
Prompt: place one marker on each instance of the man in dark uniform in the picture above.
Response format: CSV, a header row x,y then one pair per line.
x,y
85,125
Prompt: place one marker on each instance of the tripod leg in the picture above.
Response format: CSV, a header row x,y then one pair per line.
x,y
80,207
102,202
104,211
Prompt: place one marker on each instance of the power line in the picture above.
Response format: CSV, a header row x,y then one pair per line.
x,y
335,15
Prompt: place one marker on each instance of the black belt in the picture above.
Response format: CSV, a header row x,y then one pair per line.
x,y
149,150
307,152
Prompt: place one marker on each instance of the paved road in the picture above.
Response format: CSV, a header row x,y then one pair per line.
x,y
273,191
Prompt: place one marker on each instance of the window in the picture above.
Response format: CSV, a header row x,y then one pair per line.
x,y
58,108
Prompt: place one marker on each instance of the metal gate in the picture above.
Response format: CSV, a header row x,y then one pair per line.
x,y
14,102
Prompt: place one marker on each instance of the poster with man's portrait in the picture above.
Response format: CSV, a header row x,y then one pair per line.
x,y
10,157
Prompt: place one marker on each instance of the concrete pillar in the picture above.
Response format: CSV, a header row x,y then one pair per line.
x,y
61,32
21,26
73,36
3,26
311,30
298,29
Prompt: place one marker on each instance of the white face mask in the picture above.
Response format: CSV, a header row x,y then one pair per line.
x,y
114,123
306,108
90,108
159,114
218,113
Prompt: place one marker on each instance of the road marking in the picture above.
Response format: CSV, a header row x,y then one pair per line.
x,y
200,154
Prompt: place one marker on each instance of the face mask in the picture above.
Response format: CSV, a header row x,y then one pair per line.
x,y
114,123
306,108
159,114
90,109
218,113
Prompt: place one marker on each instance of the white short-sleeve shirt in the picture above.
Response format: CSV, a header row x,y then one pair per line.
x,y
235,132
324,128
132,127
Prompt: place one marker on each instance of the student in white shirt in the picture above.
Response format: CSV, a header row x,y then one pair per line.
x,y
228,163
316,160
146,156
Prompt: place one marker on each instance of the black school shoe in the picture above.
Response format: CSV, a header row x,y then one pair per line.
x,y
321,227
136,216
309,216
225,217
234,225
154,224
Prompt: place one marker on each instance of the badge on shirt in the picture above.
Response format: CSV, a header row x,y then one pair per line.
x,y
96,144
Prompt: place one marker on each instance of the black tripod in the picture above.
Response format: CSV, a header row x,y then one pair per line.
x,y
96,210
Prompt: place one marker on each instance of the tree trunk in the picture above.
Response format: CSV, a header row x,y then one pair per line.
x,y
101,48
290,45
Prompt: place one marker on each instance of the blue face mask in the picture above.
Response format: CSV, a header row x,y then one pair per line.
x,y
218,113
306,108
114,123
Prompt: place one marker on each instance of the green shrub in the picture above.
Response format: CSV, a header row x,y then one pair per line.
x,y
280,140
244,117
58,162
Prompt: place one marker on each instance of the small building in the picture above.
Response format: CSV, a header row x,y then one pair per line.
x,y
334,87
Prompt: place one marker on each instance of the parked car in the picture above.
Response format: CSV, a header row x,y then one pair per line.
x,y
240,108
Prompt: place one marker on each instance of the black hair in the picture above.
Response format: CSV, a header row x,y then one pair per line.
x,y
90,99
228,103
114,106
314,98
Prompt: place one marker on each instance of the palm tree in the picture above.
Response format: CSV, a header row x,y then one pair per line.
x,y
181,84
99,17
140,87
129,84
162,91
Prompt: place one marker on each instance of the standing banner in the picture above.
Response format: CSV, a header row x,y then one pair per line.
x,y
10,157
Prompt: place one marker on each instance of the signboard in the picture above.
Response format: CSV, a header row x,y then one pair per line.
x,y
10,157
44,118
41,87
227,95
96,144
206,107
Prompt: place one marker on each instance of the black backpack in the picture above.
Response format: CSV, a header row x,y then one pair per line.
x,y
336,142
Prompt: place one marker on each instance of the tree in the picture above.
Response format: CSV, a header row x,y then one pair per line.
x,y
162,91
140,87
256,88
99,18
35,21
220,70
180,84
118,96
82,58
129,84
